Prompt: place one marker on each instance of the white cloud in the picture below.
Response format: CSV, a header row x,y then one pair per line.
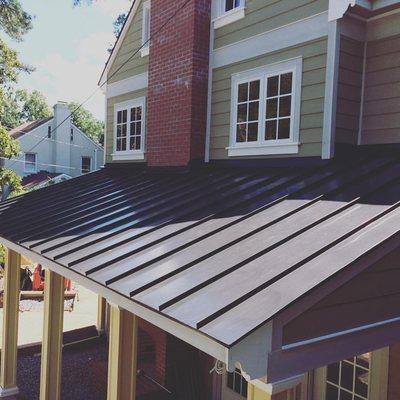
x,y
60,78
113,7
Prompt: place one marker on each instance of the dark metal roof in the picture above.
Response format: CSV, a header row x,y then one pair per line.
x,y
221,251
27,127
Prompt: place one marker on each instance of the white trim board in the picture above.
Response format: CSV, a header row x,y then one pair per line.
x,y
131,84
293,34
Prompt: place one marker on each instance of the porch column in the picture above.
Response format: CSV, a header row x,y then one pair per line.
x,y
122,355
50,378
8,371
101,314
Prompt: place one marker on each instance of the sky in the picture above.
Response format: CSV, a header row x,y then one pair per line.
x,y
68,48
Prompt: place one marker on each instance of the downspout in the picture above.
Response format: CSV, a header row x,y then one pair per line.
x,y
209,93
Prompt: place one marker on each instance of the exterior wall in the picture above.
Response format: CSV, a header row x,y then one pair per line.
x,y
381,120
132,42
109,137
314,56
371,297
351,64
178,82
265,15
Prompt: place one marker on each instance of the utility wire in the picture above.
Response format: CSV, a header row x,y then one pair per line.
x,y
43,164
116,71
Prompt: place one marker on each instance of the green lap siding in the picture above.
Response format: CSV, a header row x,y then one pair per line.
x,y
131,43
109,140
312,96
265,15
381,122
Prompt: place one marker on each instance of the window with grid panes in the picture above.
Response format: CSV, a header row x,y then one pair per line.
x,y
349,379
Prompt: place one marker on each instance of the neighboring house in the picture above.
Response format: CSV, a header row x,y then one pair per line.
x,y
247,220
57,150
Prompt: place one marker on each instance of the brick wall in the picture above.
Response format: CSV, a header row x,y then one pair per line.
x,y
178,79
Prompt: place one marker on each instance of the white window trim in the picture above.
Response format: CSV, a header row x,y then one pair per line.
x,y
144,51
25,163
227,17
263,147
127,155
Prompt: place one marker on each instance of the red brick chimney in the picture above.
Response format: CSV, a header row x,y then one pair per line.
x,y
178,79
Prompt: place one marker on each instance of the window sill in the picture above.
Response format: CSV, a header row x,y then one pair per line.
x,y
264,150
128,156
145,51
229,17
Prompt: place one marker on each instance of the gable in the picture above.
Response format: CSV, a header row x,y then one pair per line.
x,y
128,42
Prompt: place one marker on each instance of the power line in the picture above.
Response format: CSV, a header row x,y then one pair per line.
x,y
118,69
43,164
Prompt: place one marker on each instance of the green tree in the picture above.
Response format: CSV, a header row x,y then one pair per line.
x,y
14,21
10,182
87,123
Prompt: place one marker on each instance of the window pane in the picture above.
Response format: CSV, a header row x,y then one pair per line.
x,y
286,83
242,113
124,130
138,113
244,387
119,117
333,373
331,392
124,115
241,133
237,383
361,383
254,90
138,142
347,376
270,130
229,382
133,129
273,84
231,4
272,108
253,132
243,92
138,128
345,395
253,111
284,129
285,106
363,360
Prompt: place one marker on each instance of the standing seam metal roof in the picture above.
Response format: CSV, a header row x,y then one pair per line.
x,y
221,251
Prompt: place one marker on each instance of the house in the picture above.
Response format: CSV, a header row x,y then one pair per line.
x,y
51,148
247,220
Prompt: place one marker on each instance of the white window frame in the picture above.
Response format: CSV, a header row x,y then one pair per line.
x,y
144,51
90,164
262,146
227,17
130,154
30,163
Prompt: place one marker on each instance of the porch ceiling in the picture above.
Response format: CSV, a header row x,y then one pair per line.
x,y
219,251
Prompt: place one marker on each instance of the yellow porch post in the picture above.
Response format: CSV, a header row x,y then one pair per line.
x,y
8,371
50,378
122,355
101,314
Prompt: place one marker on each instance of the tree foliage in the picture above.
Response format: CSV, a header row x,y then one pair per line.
x,y
87,123
19,106
14,21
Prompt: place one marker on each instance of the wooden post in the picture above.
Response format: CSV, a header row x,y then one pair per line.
x,y
101,314
50,379
8,371
122,357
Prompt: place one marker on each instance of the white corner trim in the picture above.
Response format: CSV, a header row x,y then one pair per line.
x,y
131,84
128,156
337,8
117,46
331,88
145,51
264,150
292,34
227,18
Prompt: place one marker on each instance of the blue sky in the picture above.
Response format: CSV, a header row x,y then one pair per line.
x,y
68,47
